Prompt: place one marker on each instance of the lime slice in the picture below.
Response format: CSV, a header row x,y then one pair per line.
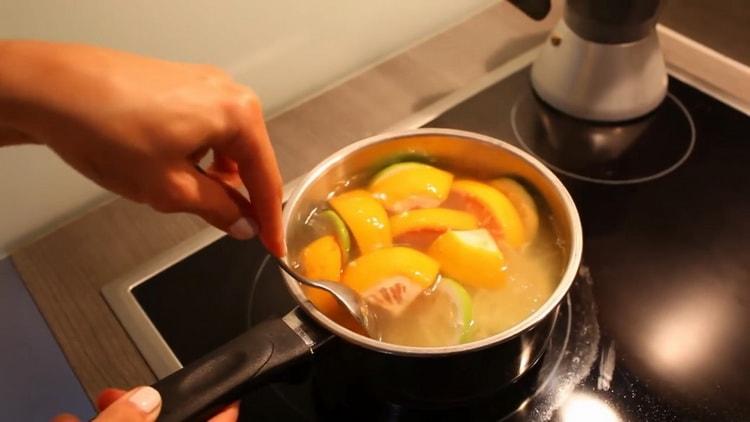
x,y
441,317
400,158
329,222
464,307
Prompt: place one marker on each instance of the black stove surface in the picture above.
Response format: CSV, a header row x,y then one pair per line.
x,y
657,325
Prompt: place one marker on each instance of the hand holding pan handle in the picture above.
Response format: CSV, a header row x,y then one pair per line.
x,y
258,356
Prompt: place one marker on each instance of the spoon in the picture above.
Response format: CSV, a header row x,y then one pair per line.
x,y
346,296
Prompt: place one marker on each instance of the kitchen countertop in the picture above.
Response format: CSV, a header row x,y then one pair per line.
x,y
65,270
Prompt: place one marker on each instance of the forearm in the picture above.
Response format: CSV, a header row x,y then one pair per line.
x,y
18,68
41,83
136,126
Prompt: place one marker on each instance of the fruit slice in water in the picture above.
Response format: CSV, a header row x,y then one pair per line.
x,y
442,317
492,209
437,219
392,277
392,295
328,222
404,186
524,203
321,260
471,257
365,217
419,228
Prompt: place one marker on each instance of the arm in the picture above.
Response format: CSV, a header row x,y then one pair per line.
x,y
137,126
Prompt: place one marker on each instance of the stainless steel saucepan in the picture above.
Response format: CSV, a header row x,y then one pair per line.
x,y
409,374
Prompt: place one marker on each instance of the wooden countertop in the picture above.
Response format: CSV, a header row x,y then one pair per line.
x,y
66,269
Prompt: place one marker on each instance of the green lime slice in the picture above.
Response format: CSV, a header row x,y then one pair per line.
x,y
404,158
331,223
394,169
464,307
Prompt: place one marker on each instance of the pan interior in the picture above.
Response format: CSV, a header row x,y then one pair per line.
x,y
463,152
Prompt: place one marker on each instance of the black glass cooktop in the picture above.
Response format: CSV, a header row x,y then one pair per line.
x,y
656,327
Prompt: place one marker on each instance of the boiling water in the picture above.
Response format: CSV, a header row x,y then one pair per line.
x,y
433,319
533,275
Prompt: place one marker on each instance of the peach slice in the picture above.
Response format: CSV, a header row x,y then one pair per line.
x,y
404,186
391,277
419,228
470,257
365,217
492,209
524,203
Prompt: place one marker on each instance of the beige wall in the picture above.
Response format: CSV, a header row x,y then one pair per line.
x,y
284,49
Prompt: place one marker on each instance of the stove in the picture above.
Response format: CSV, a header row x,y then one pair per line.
x,y
656,326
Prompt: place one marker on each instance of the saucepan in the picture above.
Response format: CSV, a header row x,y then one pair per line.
x,y
413,374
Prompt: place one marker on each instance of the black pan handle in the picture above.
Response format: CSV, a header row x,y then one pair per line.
x,y
258,356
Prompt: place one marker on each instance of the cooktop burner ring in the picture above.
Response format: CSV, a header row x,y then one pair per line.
x,y
253,287
556,125
254,283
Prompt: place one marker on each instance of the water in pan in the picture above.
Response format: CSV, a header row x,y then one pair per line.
x,y
447,312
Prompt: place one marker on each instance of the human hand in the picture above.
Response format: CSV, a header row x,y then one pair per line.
x,y
140,404
137,126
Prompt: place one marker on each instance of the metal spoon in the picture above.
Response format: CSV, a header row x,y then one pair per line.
x,y
350,299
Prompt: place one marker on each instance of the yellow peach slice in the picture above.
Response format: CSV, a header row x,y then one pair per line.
x,y
524,203
492,209
365,217
404,186
470,257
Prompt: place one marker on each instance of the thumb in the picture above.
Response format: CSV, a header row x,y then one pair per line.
x,y
141,404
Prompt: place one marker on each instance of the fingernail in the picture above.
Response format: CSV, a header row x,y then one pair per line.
x,y
244,228
146,399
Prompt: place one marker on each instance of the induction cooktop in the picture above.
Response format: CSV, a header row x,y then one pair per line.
x,y
656,326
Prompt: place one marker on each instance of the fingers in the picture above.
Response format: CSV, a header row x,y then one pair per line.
x,y
110,395
107,397
224,165
189,190
259,171
66,417
140,404
230,414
